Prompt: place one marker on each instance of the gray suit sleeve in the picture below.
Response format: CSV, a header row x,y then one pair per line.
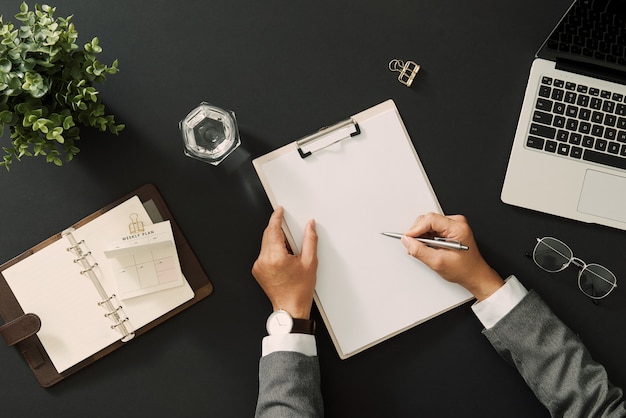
x,y
289,386
554,362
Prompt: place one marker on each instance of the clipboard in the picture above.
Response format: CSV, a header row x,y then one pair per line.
x,y
20,328
357,179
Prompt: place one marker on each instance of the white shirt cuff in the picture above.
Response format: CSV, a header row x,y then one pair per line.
x,y
300,343
489,311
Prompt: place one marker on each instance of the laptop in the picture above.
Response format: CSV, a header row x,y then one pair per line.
x,y
569,153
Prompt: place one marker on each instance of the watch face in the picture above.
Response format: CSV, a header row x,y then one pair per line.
x,y
279,322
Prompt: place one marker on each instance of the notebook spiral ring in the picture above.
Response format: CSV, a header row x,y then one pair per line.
x,y
107,300
82,257
119,308
115,311
120,323
75,246
91,267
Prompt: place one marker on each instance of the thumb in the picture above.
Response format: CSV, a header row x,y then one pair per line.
x,y
309,243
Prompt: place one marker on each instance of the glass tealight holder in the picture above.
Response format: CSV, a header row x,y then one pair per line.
x,y
210,133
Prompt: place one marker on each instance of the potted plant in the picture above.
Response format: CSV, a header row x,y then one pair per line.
x,y
47,86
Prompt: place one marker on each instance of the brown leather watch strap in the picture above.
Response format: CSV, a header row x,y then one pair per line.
x,y
20,328
303,326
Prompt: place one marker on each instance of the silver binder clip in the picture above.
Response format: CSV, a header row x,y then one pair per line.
x,y
407,70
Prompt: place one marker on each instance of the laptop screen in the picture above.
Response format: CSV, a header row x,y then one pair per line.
x,y
592,33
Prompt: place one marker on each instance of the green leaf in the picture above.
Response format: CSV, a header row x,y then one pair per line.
x,y
25,32
29,120
24,7
117,128
68,122
93,47
56,135
35,84
6,116
5,65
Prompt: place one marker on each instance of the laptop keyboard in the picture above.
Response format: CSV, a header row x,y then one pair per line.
x,y
580,122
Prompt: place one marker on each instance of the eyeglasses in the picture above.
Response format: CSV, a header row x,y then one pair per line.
x,y
553,256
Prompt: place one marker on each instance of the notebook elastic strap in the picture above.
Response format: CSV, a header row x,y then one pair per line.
x,y
20,328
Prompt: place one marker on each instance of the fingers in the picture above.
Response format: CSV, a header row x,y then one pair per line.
x,y
288,280
436,225
433,224
421,251
430,223
274,238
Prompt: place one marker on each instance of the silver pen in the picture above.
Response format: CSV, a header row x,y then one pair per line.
x,y
436,242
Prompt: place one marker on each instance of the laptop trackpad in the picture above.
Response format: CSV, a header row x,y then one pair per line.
x,y
603,195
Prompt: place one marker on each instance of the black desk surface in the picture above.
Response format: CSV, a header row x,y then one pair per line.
x,y
288,68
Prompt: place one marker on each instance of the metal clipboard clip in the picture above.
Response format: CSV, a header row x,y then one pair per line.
x,y
326,137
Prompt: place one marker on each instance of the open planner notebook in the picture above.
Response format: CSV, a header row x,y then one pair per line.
x,y
67,286
357,179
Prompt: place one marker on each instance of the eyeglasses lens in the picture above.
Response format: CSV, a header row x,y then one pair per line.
x,y
552,255
596,281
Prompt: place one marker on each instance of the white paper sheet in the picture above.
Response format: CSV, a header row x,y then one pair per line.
x,y
368,288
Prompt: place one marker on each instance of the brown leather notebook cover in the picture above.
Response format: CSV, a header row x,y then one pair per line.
x,y
20,328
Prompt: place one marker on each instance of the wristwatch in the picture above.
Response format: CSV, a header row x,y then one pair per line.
x,y
281,322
